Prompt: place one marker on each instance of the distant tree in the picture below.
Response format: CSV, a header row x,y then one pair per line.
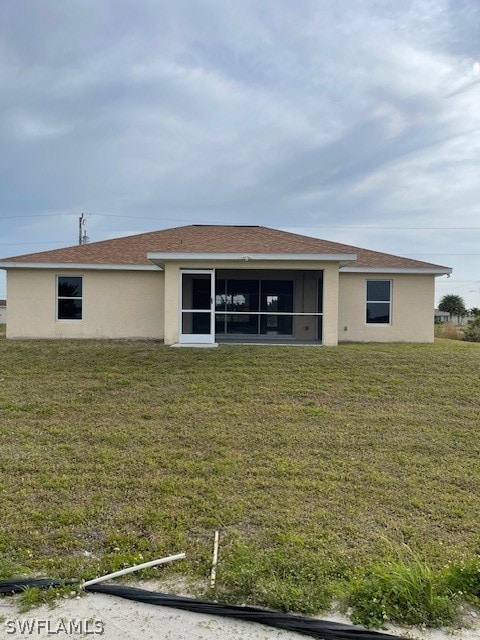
x,y
475,311
454,305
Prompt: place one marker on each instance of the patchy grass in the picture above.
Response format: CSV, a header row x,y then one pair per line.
x,y
35,597
313,462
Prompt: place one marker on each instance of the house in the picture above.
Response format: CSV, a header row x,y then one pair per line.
x,y
444,316
440,316
3,311
205,284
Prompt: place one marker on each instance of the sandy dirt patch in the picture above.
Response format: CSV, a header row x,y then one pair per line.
x,y
111,618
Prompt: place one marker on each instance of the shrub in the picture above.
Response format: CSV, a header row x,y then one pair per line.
x,y
472,330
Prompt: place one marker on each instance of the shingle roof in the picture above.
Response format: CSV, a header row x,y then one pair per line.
x,y
132,250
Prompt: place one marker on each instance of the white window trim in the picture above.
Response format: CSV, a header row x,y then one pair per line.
x,y
57,297
389,302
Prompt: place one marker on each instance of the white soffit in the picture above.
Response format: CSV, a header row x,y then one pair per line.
x,y
161,257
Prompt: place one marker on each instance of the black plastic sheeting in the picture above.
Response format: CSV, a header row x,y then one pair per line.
x,y
17,585
299,624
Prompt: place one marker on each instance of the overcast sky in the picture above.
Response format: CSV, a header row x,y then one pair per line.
x,y
356,121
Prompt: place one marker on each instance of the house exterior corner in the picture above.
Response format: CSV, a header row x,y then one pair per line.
x,y
115,304
410,308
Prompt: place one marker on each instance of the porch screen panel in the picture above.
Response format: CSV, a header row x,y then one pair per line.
x,y
276,295
320,307
242,295
283,307
195,291
220,304
196,323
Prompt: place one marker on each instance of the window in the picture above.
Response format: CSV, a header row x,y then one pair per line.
x,y
69,297
379,301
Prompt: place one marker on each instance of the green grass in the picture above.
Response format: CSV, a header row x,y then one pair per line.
x,y
409,591
314,462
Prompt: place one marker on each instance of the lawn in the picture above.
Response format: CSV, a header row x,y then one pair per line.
x,y
315,463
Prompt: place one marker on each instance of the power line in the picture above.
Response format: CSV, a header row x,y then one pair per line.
x,y
37,215
371,228
10,244
456,281
289,226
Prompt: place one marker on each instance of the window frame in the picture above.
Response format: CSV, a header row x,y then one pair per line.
x,y
59,297
389,302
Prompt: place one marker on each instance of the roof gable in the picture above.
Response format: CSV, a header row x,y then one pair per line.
x,y
132,250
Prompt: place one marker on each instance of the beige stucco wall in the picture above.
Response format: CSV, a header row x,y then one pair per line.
x,y
116,304
411,313
130,304
330,275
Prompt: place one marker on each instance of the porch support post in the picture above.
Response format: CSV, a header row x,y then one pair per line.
x,y
172,302
330,304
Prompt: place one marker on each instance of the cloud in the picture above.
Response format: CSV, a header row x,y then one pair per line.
x,y
275,113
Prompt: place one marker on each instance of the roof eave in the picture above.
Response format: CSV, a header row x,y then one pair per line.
x,y
436,271
79,265
160,257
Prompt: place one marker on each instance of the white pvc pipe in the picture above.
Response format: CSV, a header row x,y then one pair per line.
x,y
213,575
145,565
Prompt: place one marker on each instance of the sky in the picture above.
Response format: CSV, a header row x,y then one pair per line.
x,y
357,121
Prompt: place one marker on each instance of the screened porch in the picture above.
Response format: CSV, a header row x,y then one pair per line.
x,y
253,305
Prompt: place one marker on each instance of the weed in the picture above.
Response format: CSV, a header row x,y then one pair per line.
x,y
450,331
409,594
463,579
33,597
11,569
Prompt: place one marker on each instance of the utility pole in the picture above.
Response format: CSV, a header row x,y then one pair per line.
x,y
82,234
81,221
